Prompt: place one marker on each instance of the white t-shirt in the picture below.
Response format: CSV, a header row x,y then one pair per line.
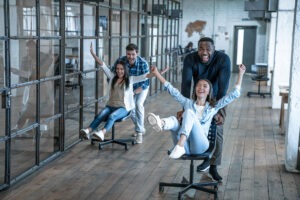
x,y
199,111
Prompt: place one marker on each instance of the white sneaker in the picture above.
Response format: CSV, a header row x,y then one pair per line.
x,y
99,135
155,122
134,135
177,152
139,138
85,134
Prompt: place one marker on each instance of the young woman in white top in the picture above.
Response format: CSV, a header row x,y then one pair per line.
x,y
120,100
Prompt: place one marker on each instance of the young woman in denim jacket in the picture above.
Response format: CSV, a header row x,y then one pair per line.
x,y
191,136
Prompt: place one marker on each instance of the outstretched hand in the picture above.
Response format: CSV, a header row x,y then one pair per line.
x,y
242,69
154,71
100,62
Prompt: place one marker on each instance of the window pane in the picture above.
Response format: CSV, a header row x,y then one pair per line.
x,y
135,4
72,19
23,61
72,77
1,19
103,49
104,2
47,99
72,128
49,140
134,24
116,3
22,153
2,119
89,85
2,72
115,26
2,162
48,58
23,16
49,18
23,107
89,20
126,4
72,63
88,115
103,21
115,44
125,42
125,24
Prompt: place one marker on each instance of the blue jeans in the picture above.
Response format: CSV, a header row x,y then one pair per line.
x,y
197,141
110,114
138,113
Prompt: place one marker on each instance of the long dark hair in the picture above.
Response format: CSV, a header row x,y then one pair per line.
x,y
210,97
126,74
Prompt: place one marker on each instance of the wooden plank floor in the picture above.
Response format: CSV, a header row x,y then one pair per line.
x,y
252,165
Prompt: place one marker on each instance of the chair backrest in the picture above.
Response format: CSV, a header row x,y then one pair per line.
x,y
212,135
262,70
259,69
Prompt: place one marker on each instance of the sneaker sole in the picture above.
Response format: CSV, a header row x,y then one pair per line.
x,y
134,135
84,135
98,138
203,170
153,122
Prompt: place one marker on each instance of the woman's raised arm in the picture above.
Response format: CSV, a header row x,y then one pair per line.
x,y
102,64
97,59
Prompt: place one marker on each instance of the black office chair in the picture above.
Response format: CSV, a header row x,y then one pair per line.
x,y
112,140
261,72
207,155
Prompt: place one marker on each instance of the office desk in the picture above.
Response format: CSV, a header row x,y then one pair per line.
x,y
284,93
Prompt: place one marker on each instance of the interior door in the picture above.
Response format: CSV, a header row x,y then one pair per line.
x,y
244,46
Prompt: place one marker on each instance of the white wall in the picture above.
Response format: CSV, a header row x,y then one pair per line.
x,y
224,15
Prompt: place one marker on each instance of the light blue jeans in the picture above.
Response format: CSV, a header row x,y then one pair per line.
x,y
197,141
110,114
137,114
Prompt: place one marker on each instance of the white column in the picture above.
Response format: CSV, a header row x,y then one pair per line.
x,y
293,129
283,48
271,44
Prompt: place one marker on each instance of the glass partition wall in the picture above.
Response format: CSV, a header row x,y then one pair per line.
x,y
50,85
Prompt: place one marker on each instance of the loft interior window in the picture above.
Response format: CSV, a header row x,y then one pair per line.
x,y
72,21
29,21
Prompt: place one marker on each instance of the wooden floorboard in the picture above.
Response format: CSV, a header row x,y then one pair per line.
x,y
252,164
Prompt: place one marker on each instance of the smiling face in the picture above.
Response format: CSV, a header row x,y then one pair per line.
x,y
120,71
202,89
205,51
131,56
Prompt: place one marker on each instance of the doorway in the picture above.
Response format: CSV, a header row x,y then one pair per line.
x,y
244,46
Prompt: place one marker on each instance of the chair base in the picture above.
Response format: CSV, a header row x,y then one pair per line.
x,y
262,94
187,185
122,142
